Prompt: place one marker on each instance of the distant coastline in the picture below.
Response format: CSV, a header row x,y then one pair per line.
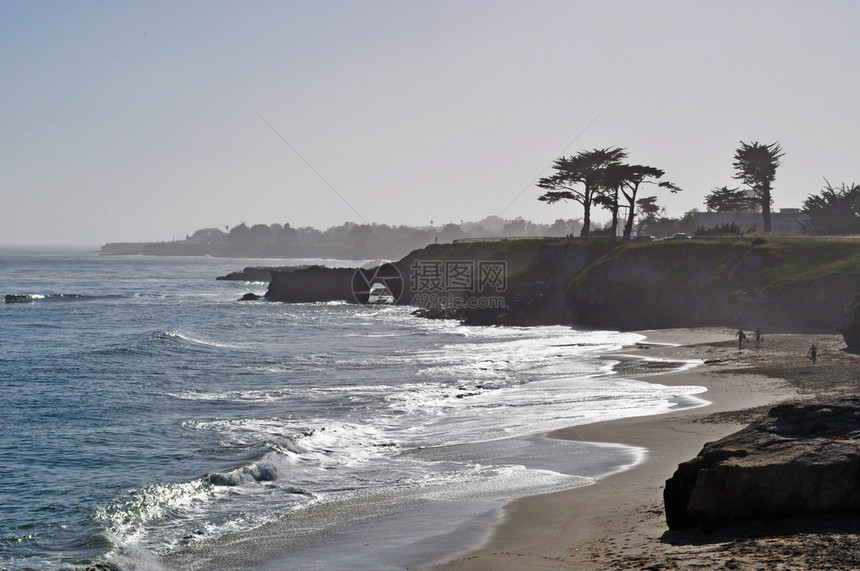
x,y
348,241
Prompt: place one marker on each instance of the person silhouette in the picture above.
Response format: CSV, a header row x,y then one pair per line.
x,y
758,337
741,336
813,353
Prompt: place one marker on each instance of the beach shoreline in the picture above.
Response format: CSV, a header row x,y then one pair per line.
x,y
618,521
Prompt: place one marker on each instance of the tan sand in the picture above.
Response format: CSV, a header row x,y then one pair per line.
x,y
618,522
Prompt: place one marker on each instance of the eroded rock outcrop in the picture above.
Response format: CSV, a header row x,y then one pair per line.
x,y
256,273
802,459
850,328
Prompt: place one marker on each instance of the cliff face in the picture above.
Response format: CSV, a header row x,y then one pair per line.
x,y
748,284
311,284
688,283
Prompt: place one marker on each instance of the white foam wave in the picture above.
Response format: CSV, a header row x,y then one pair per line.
x,y
193,340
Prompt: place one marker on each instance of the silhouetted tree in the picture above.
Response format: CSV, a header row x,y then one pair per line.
x,y
720,230
286,237
608,199
516,227
648,206
260,236
360,236
648,211
580,178
420,238
238,232
561,228
725,199
628,179
755,165
835,211
450,232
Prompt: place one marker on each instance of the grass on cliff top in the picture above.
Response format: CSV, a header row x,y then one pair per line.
x,y
744,264
798,262
519,254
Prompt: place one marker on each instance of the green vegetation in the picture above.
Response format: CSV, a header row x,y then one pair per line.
x,y
720,230
835,211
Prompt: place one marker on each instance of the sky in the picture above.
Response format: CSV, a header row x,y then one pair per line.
x,y
145,121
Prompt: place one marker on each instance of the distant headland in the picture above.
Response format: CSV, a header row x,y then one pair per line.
x,y
347,241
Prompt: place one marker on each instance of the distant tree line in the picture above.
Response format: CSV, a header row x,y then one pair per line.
x,y
349,240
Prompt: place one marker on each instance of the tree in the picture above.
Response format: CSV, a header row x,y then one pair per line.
x,y
648,207
286,236
450,232
648,212
561,228
725,199
628,179
731,229
580,178
360,235
516,227
755,164
836,211
260,236
608,199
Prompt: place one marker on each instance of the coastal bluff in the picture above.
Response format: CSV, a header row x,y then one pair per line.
x,y
773,283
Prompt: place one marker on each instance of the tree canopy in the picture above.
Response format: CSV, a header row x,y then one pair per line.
x,y
599,177
835,211
725,199
580,178
755,164
628,178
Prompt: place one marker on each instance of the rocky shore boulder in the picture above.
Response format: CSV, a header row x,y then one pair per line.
x,y
802,459
850,328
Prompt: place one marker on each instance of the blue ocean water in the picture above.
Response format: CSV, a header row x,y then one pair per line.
x,y
152,421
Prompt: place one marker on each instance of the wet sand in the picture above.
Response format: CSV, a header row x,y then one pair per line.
x,y
619,523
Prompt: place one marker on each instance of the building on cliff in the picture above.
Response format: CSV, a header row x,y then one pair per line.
x,y
788,221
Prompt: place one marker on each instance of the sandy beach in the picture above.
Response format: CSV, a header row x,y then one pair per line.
x,y
619,523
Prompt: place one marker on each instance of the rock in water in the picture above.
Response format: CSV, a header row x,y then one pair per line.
x,y
802,459
250,297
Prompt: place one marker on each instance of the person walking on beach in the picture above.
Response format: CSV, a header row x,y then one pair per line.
x,y
758,337
813,353
741,338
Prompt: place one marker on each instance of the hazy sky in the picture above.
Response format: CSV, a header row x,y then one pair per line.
x,y
127,121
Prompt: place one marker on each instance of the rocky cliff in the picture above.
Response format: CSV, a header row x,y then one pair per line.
x,y
742,284
769,283
314,283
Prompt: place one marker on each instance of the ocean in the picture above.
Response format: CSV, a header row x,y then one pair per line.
x,y
152,421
